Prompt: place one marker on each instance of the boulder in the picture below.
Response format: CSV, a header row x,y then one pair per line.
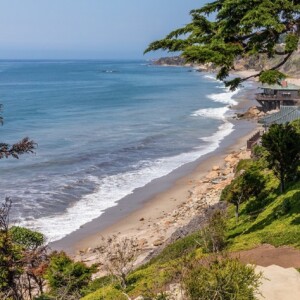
x,y
216,168
158,242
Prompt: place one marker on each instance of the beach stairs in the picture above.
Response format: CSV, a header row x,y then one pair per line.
x,y
279,283
254,140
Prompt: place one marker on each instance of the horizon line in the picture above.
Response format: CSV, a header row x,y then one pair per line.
x,y
75,59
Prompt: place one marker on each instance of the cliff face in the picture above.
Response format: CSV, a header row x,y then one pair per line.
x,y
260,62
257,63
170,61
177,61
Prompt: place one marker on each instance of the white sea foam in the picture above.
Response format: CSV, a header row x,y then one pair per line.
x,y
113,188
225,98
213,77
214,113
224,130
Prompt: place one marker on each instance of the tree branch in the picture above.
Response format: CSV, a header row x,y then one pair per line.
x,y
273,68
24,146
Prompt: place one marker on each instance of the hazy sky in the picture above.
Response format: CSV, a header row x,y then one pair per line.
x,y
87,28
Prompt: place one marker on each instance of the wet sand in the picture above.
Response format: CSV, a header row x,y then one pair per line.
x,y
136,214
141,213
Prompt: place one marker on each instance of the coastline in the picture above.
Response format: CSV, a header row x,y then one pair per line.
x,y
153,221
152,213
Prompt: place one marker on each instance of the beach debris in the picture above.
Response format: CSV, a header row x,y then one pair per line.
x,y
158,242
142,243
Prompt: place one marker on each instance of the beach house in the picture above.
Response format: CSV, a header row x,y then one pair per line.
x,y
274,96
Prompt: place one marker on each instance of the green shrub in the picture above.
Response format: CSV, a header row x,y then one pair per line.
x,y
178,249
243,164
66,276
284,208
107,293
213,236
26,238
221,279
97,284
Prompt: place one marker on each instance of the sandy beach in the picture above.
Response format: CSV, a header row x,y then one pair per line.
x,y
152,220
152,213
158,218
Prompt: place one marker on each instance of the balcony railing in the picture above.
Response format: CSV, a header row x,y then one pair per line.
x,y
266,97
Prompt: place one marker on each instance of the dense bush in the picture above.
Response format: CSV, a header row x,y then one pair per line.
x,y
221,279
67,278
26,238
213,237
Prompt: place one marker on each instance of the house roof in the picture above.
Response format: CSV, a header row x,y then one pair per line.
x,y
285,115
289,87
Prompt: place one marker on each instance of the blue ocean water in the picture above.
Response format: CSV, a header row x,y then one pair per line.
x,y
103,128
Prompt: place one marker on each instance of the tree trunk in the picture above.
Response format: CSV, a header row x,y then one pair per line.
x,y
123,281
237,206
282,183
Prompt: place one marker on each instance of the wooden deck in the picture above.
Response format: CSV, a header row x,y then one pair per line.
x,y
286,98
271,102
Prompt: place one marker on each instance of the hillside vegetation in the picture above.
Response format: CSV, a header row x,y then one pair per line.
x,y
277,224
265,217
263,207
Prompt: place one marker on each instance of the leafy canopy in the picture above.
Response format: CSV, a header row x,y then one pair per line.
x,y
66,277
26,238
282,143
24,146
223,30
248,184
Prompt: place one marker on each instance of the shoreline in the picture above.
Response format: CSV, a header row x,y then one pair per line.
x,y
139,214
153,222
146,213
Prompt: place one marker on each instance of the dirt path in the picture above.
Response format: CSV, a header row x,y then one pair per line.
x,y
281,280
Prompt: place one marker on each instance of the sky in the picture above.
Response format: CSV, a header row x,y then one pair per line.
x,y
87,29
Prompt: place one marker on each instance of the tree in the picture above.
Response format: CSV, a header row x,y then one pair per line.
x,y
9,256
224,30
283,145
248,184
17,270
118,256
23,259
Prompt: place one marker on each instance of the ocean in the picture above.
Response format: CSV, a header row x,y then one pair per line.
x,y
103,129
